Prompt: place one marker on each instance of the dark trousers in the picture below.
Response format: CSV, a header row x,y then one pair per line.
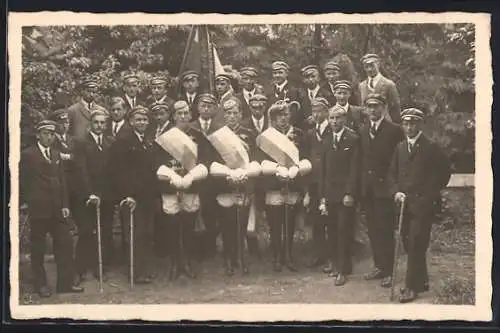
x,y
340,236
161,229
143,229
86,255
319,225
416,235
209,213
63,251
230,233
281,241
381,222
179,236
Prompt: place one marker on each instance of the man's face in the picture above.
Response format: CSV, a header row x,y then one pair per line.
x,y
139,122
182,118
131,88
411,127
191,85
336,120
248,82
283,119
311,80
332,75
279,76
342,96
257,108
232,117
98,124
161,116
371,68
206,110
319,113
46,137
375,110
90,94
221,86
118,112
158,90
63,126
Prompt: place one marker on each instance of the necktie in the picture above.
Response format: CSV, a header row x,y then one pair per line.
x,y
373,130
335,141
318,132
410,147
133,102
190,99
370,83
99,142
204,126
158,131
47,154
311,96
115,128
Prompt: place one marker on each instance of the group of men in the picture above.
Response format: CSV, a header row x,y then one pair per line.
x,y
89,160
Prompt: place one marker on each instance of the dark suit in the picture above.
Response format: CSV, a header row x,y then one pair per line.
x,y
66,146
79,118
92,169
43,188
342,166
244,105
315,153
136,178
305,105
355,118
193,106
355,98
421,175
376,199
139,100
292,93
388,89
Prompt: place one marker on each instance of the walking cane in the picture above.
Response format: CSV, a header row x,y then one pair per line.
x,y
99,243
240,232
181,257
132,248
397,237
285,226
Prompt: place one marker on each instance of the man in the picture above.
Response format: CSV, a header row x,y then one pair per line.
x,y
379,138
131,90
250,88
340,190
355,115
234,197
258,120
205,124
190,90
158,86
281,191
224,92
91,161
377,83
118,124
311,80
419,171
315,149
331,70
281,87
79,113
43,193
137,189
180,205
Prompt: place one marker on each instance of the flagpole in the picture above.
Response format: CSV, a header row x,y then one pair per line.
x,y
186,50
211,62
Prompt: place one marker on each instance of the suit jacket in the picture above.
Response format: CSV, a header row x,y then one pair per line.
x,y
315,149
193,106
342,166
356,118
248,123
42,184
291,93
139,100
219,116
244,105
387,88
133,173
162,157
79,119
153,128
122,131
305,106
150,100
421,175
92,166
355,98
376,157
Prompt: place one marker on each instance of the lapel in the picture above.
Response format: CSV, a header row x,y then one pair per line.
x,y
84,110
417,148
42,157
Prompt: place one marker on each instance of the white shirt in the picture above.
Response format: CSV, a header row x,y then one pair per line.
x,y
280,87
258,123
376,123
190,97
116,125
130,100
374,80
412,141
345,107
321,128
332,86
312,93
159,129
139,136
247,94
88,106
45,150
205,124
338,135
96,137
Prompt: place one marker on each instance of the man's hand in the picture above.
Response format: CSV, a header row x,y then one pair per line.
x,y
307,200
93,199
65,212
348,200
322,207
65,156
130,202
399,197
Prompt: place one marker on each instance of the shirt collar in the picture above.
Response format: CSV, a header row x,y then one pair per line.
x,y
162,127
414,139
376,78
225,94
119,123
139,136
345,107
193,95
95,136
339,133
282,86
87,105
161,99
42,148
323,125
248,92
377,123
255,120
314,91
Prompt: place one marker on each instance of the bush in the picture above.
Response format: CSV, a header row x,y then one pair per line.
x,y
456,290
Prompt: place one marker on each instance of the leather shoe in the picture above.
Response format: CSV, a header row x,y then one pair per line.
x,y
44,292
143,280
407,296
72,289
340,280
333,273
386,282
375,274
328,268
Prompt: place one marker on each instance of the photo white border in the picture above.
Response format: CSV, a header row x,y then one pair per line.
x,y
269,312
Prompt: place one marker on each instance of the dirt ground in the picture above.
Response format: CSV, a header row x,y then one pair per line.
x,y
263,285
